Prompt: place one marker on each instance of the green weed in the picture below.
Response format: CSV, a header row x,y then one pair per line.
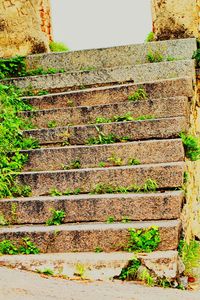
x,y
110,220
154,57
192,146
130,272
190,254
143,240
133,162
98,249
139,94
58,47
26,247
52,124
57,218
150,37
47,272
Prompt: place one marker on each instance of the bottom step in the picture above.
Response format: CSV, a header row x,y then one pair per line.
x,y
93,266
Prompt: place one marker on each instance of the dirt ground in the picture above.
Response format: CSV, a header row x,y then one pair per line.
x,y
21,285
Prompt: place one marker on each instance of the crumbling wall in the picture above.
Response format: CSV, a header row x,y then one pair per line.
x,y
174,19
25,27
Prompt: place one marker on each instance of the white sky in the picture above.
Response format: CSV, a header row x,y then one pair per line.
x,y
83,24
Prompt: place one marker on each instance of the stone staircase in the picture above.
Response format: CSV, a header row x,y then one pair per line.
x,y
74,100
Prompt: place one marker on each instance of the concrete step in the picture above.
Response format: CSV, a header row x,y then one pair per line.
x,y
89,236
147,152
89,208
96,266
165,107
114,56
82,79
167,175
132,130
114,94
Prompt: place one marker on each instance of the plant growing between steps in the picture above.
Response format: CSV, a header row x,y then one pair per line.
x,y
150,37
26,247
106,139
52,124
75,164
154,57
57,218
16,67
139,94
192,146
12,142
130,271
123,118
143,240
58,47
47,272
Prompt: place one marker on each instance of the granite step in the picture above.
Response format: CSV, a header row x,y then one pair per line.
x,y
167,175
90,208
145,152
82,79
129,131
113,56
159,108
87,237
114,94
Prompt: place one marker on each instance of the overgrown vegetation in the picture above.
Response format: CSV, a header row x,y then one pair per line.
x,y
16,67
190,254
26,247
12,142
57,218
58,47
107,139
143,240
139,94
55,192
192,146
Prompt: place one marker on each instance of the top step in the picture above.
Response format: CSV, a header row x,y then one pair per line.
x,y
95,59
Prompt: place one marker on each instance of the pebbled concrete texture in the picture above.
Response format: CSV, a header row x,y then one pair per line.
x,y
114,94
134,130
114,56
167,175
86,237
22,285
135,74
159,108
150,151
83,208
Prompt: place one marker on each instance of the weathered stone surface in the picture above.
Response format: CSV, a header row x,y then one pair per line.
x,y
25,27
114,56
88,208
134,130
114,94
162,264
174,19
86,237
137,74
159,108
167,175
101,266
150,151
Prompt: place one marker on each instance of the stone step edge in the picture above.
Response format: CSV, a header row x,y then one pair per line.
x,y
90,196
100,145
97,266
34,113
83,208
178,163
116,87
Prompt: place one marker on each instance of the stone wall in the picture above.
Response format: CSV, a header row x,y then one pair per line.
x,y
25,27
176,18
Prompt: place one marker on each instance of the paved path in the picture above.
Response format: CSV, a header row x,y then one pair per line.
x,y
21,285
